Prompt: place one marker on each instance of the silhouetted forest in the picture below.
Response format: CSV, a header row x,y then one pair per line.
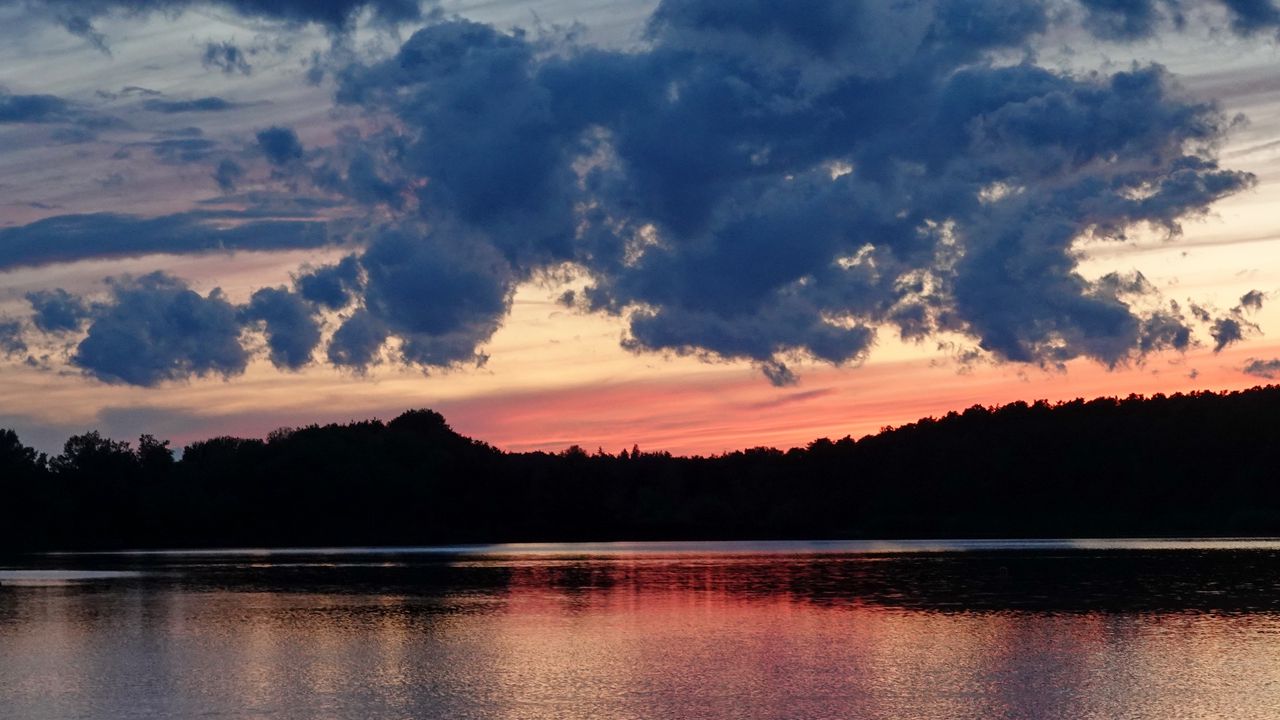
x,y
1195,464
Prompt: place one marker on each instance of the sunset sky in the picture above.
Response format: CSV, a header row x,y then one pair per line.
x,y
689,224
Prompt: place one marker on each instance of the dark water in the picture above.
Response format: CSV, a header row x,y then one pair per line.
x,y
1159,630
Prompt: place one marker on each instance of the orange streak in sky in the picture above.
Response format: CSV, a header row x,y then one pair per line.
x,y
707,415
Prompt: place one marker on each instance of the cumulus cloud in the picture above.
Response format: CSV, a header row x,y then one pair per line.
x,y
331,286
1232,327
280,145
1127,19
440,296
766,181
363,171
357,342
1226,331
762,182
155,329
58,310
292,329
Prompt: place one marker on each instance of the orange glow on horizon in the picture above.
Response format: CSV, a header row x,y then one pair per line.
x,y
738,409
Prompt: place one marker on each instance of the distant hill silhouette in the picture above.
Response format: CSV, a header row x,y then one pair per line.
x,y
1195,464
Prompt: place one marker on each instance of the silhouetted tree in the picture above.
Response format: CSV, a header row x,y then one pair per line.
x,y
154,456
22,475
92,456
1194,464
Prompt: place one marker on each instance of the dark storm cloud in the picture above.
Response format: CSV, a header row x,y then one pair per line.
x,y
498,158
331,286
1248,16
1269,369
357,342
58,310
292,330
280,145
204,104
1162,330
156,329
1126,19
442,298
358,168
1252,300
764,180
66,238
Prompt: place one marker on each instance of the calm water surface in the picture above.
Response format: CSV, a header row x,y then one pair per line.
x,y
742,631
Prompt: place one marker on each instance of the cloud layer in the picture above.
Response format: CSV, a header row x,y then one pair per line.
x,y
763,182
64,238
78,16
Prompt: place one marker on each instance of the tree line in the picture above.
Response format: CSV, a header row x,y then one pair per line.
x,y
1184,464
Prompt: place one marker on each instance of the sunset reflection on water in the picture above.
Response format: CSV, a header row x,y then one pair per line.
x,y
1000,633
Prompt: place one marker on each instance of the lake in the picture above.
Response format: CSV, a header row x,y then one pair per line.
x,y
1134,629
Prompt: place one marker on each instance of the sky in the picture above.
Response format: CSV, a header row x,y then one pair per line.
x,y
690,225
